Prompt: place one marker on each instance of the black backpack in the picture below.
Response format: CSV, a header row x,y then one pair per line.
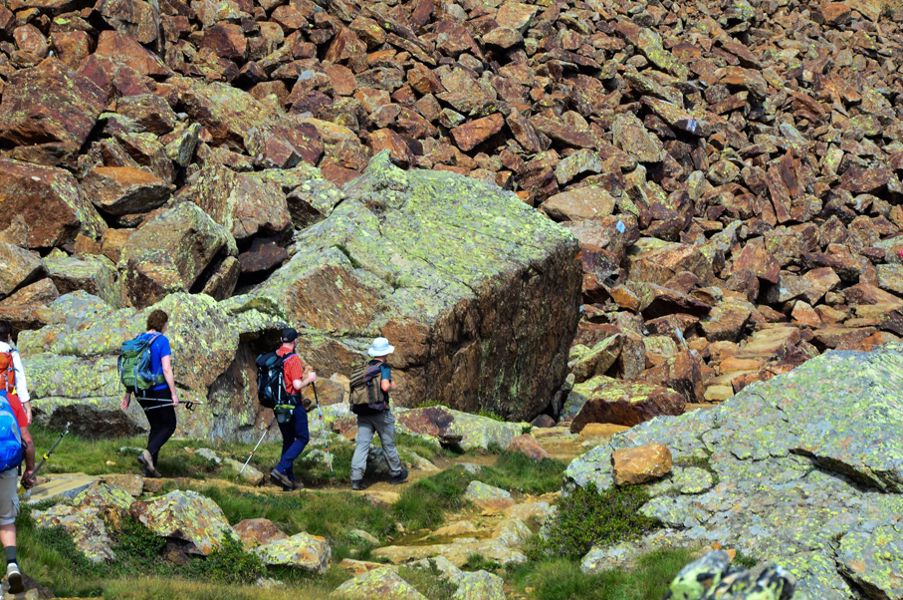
x,y
270,380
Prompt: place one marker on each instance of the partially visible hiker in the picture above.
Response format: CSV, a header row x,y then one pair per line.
x,y
290,412
370,387
160,398
12,380
12,451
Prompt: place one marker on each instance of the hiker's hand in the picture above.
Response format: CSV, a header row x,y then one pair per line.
x,y
124,404
28,480
311,377
175,398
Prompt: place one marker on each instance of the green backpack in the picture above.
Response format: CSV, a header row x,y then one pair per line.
x,y
135,369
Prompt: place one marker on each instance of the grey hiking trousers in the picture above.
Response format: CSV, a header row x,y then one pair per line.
x,y
383,424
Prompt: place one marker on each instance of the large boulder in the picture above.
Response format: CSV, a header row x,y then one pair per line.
x,y
17,266
48,111
94,274
302,551
378,583
456,428
807,472
171,253
85,525
608,400
186,516
478,292
243,203
43,207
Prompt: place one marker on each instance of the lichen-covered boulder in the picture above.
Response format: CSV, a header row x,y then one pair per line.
x,y
258,532
382,583
470,432
187,516
302,550
170,252
478,292
713,578
111,502
872,558
488,497
479,585
609,400
94,274
48,111
86,527
244,203
17,266
470,585
813,458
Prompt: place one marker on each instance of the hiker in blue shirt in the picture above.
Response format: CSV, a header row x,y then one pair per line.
x,y
160,401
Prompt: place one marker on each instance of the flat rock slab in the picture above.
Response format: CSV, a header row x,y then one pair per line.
x,y
802,461
59,485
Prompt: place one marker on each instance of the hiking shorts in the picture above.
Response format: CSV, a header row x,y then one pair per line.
x,y
18,410
9,496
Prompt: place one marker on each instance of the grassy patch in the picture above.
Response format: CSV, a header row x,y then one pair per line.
x,y
517,473
154,588
478,562
179,459
428,582
562,579
424,504
586,517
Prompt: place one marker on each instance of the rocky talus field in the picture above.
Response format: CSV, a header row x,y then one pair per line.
x,y
642,263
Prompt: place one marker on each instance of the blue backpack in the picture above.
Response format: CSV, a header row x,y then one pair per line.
x,y
11,449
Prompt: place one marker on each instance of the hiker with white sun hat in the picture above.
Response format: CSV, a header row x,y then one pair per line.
x,y
370,389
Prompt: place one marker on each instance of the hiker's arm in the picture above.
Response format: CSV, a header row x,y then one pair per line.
x,y
386,384
126,400
166,361
308,379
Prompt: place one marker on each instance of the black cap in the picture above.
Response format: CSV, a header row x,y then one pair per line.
x,y
289,335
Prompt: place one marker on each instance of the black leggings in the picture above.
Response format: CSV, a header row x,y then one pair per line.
x,y
162,419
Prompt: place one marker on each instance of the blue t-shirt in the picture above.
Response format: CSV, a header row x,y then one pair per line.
x,y
159,349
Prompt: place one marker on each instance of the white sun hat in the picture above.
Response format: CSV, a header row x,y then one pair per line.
x,y
380,347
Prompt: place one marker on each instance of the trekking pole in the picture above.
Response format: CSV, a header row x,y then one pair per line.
x,y
260,441
188,404
46,456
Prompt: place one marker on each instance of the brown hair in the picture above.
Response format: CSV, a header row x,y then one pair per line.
x,y
5,331
157,320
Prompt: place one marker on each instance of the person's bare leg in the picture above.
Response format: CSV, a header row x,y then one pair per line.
x,y
7,535
13,575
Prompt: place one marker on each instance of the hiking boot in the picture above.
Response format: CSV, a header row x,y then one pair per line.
x,y
147,461
357,485
14,578
280,478
400,478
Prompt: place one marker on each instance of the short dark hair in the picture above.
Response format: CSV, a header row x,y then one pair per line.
x,y
6,330
157,320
